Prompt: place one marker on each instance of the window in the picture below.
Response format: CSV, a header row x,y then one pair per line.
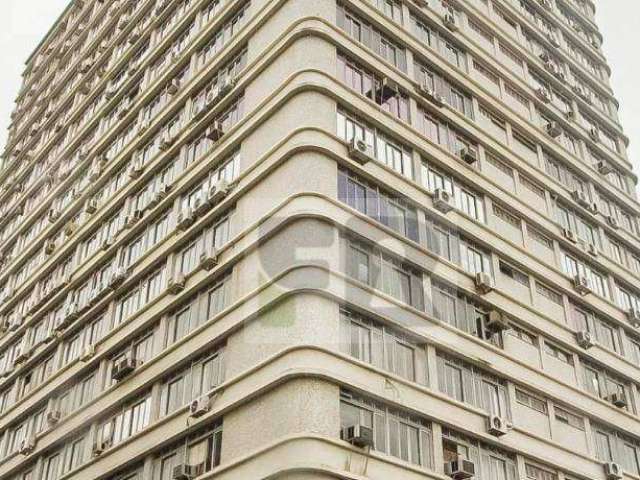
x,y
536,473
531,401
385,273
396,433
385,150
468,384
381,346
568,418
557,353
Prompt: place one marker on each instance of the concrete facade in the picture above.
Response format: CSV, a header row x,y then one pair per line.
x,y
201,269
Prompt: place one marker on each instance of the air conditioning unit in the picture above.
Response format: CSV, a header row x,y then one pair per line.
x,y
200,406
27,445
613,471
70,228
117,277
23,354
49,247
111,91
107,243
617,399
134,36
133,218
209,259
219,191
184,472
358,435
569,235
88,353
215,132
186,218
173,87
52,215
497,322
200,206
122,368
460,469
581,199
484,283
449,20
633,315
136,169
92,206
53,416
86,65
443,201
585,339
543,94
386,89
594,134
167,141
15,321
613,221
431,95
553,129
176,284
469,155
498,426
604,168
581,284
360,151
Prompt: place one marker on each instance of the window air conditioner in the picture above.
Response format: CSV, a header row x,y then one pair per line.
x,y
122,368
215,132
484,283
186,218
443,201
585,339
173,87
219,191
617,399
358,435
612,221
27,445
116,278
569,235
87,353
184,472
200,406
553,129
604,168
581,284
176,284
133,218
49,247
497,322
581,199
469,155
209,259
633,315
450,21
460,469
431,95
613,471
91,206
360,151
167,141
543,94
53,416
498,426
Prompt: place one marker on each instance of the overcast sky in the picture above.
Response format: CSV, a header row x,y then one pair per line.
x,y
23,23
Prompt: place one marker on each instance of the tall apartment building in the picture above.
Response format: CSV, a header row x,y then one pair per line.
x,y
319,239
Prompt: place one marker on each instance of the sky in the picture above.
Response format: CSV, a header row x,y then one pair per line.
x,y
23,23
